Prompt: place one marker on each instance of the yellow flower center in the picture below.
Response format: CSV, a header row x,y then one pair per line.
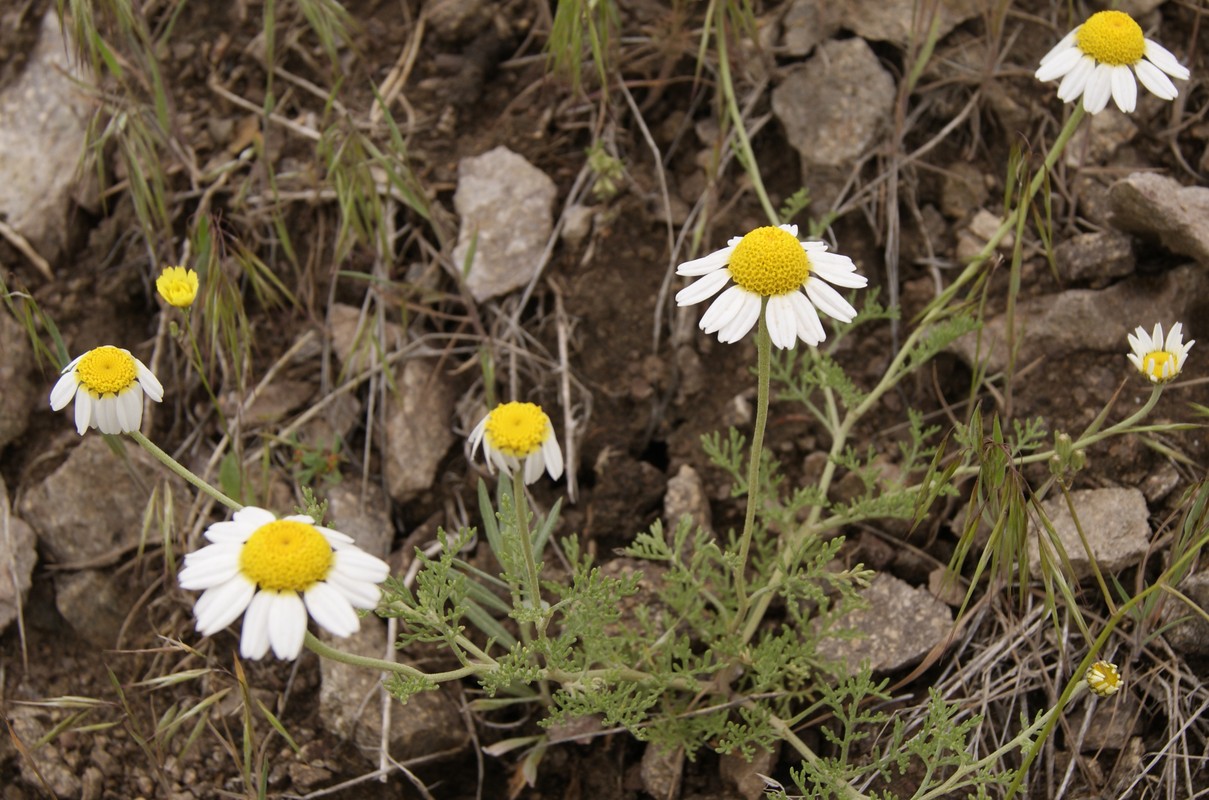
x,y
1111,37
769,261
178,286
286,555
517,429
1103,678
1155,365
106,370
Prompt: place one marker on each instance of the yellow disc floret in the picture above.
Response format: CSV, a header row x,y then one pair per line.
x,y
1112,37
769,261
178,286
517,429
1160,365
106,370
1103,678
286,555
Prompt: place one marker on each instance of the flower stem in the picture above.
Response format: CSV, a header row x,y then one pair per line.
x,y
174,465
763,369
533,588
332,654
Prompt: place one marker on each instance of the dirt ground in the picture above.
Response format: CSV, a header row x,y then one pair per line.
x,y
470,86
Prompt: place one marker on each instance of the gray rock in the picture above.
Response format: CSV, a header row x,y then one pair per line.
x,y
892,20
455,20
1157,206
686,497
834,108
19,397
357,340
507,210
17,558
43,119
807,24
1115,521
91,507
900,626
1099,138
93,605
661,771
417,429
1076,319
745,775
963,189
1189,632
1160,483
349,704
362,511
45,766
1095,259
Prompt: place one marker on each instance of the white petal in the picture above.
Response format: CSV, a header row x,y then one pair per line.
x,y
129,407
723,309
334,538
287,624
849,279
782,324
810,327
331,609
1098,90
1135,359
791,229
706,286
553,455
1174,338
83,411
744,319
1163,58
105,414
359,593
65,389
221,605
1155,81
1124,89
1058,66
210,566
534,466
1064,44
700,266
151,384
829,301
254,639
356,564
1076,80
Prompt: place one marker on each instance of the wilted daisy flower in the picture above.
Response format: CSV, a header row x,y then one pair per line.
x,y
108,384
1158,359
273,571
771,262
178,286
1103,678
519,432
1094,60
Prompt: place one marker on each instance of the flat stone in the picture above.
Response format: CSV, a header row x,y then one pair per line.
x,y
661,770
1115,521
418,433
350,706
900,626
807,24
17,558
19,397
357,340
43,122
507,210
46,766
834,107
93,605
361,511
91,507
1158,207
963,189
1188,633
745,775
1095,259
1099,138
893,20
1088,319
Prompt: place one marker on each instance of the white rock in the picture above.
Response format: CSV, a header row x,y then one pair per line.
x,y
507,210
43,119
900,626
1115,521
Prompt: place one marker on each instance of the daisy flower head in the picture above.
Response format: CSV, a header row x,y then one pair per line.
x,y
1100,58
1157,358
516,434
771,263
108,386
1104,679
275,571
178,286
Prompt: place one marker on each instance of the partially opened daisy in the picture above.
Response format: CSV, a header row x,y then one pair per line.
x,y
516,434
108,386
1103,678
178,286
1157,358
274,571
771,262
1094,61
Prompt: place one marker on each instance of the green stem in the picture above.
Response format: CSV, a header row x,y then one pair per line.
x,y
763,359
332,654
174,465
533,586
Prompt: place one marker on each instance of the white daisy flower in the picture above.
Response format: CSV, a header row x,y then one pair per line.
x,y
519,432
771,262
1094,61
276,570
1157,358
108,385
1104,679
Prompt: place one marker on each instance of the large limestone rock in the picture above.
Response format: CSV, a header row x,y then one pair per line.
x,y
1158,207
900,626
1115,522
